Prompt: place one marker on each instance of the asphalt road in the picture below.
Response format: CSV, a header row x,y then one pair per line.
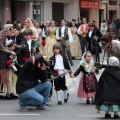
x,y
75,109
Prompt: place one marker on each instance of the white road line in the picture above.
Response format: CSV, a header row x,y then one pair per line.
x,y
90,116
9,114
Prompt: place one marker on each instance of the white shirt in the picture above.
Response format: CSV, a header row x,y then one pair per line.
x,y
59,65
8,42
39,31
62,34
90,34
79,29
29,45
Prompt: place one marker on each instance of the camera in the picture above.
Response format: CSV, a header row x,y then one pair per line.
x,y
48,63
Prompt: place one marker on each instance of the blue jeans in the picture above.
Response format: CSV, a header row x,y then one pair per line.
x,y
36,96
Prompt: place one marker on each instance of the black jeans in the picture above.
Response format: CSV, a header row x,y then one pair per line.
x,y
84,45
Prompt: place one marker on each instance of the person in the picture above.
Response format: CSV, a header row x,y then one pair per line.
x,y
93,37
111,30
39,39
10,88
64,36
29,49
103,28
60,64
111,46
75,44
18,36
88,81
50,39
107,96
29,25
82,31
19,24
42,26
8,28
39,30
30,90
3,58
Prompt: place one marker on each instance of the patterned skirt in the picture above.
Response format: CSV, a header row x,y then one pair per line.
x,y
87,86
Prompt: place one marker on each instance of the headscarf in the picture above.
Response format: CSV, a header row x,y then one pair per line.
x,y
113,61
31,23
8,27
87,66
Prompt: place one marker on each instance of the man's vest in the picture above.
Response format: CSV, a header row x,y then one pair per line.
x,y
65,33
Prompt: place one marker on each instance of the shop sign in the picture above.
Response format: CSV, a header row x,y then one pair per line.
x,y
89,4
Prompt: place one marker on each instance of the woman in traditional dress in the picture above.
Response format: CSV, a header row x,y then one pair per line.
x,y
50,39
75,44
3,57
29,25
103,28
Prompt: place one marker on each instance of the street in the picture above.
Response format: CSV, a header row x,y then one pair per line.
x,y
76,108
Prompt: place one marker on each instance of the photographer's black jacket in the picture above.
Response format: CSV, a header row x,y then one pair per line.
x,y
65,61
29,75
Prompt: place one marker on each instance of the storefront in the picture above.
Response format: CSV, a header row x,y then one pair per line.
x,y
90,10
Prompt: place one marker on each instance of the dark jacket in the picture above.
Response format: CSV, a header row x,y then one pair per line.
x,y
65,61
29,75
91,41
25,52
19,39
108,88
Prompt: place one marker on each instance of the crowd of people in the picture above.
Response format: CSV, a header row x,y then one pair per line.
x,y
34,56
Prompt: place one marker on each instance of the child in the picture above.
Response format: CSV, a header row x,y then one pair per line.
x,y
10,88
108,89
88,81
60,64
29,49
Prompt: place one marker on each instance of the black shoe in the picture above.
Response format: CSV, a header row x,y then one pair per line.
x,y
59,102
107,115
65,100
72,64
97,71
13,96
88,102
8,96
93,102
73,58
116,116
1,97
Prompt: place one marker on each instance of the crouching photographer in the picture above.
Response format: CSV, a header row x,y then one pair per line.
x,y
32,85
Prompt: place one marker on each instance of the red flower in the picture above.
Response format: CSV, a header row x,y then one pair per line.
x,y
43,42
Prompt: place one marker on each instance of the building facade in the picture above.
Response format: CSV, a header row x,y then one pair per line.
x,y
40,10
43,10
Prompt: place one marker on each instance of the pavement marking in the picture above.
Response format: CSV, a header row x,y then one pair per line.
x,y
9,114
90,116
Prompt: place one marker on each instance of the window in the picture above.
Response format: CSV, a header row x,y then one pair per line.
x,y
38,11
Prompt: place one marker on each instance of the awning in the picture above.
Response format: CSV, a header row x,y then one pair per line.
x,y
89,4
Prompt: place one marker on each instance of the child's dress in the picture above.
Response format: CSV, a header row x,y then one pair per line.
x,y
12,77
87,84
